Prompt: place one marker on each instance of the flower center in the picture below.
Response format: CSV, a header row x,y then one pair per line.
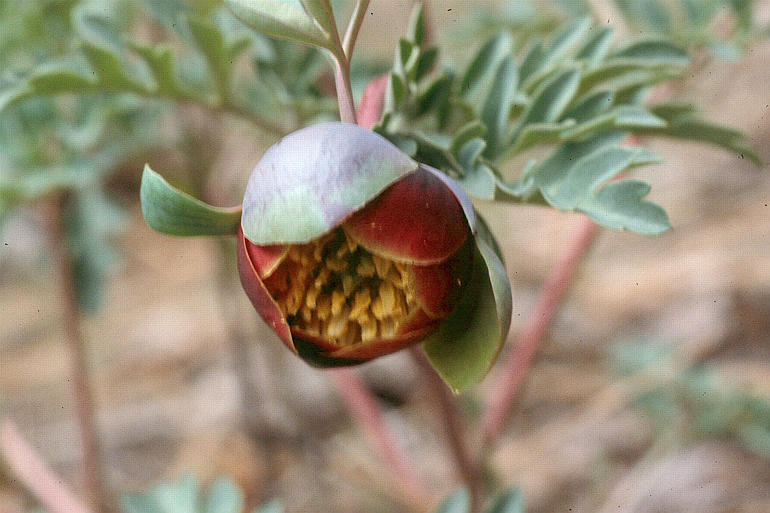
x,y
335,289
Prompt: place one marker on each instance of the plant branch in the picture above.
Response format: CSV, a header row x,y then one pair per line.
x,y
363,408
516,368
467,465
344,89
84,403
354,25
29,468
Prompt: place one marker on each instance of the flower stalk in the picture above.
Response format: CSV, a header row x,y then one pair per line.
x,y
83,397
454,426
516,368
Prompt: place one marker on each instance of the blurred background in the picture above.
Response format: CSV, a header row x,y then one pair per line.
x,y
187,379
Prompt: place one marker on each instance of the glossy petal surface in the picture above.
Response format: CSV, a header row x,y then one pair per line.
x,y
257,292
314,178
438,286
418,219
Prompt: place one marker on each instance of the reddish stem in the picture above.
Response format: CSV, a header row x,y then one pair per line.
x,y
467,465
84,403
516,368
364,410
29,468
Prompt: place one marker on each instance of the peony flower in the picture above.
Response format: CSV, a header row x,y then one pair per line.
x,y
350,250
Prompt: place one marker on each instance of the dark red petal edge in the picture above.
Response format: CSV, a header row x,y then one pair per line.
x,y
259,296
417,220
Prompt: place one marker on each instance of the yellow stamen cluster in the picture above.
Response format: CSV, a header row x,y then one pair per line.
x,y
336,289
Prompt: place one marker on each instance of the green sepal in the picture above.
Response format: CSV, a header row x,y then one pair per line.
x,y
467,343
168,210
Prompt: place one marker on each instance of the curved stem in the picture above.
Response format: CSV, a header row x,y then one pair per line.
x,y
518,364
30,469
354,25
364,410
467,465
344,89
84,403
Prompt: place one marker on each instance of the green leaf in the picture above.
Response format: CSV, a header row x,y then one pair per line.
x,y
653,52
541,133
620,206
184,496
416,30
283,19
591,106
552,98
617,205
271,507
650,14
435,96
113,72
596,48
497,108
467,343
396,93
169,210
180,497
458,502
586,175
211,42
539,65
425,63
224,497
161,61
321,11
510,501
682,122
479,77
91,220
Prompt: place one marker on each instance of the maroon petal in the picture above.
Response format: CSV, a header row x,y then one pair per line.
x,y
258,294
266,259
438,287
416,220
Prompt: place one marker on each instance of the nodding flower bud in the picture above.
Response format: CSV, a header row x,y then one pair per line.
x,y
348,249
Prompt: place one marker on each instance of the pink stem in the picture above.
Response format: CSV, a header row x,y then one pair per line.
x,y
81,389
27,465
452,419
518,364
364,410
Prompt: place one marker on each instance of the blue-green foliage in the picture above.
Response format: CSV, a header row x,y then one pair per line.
x,y
697,402
696,23
66,149
277,87
75,106
507,501
573,92
186,496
